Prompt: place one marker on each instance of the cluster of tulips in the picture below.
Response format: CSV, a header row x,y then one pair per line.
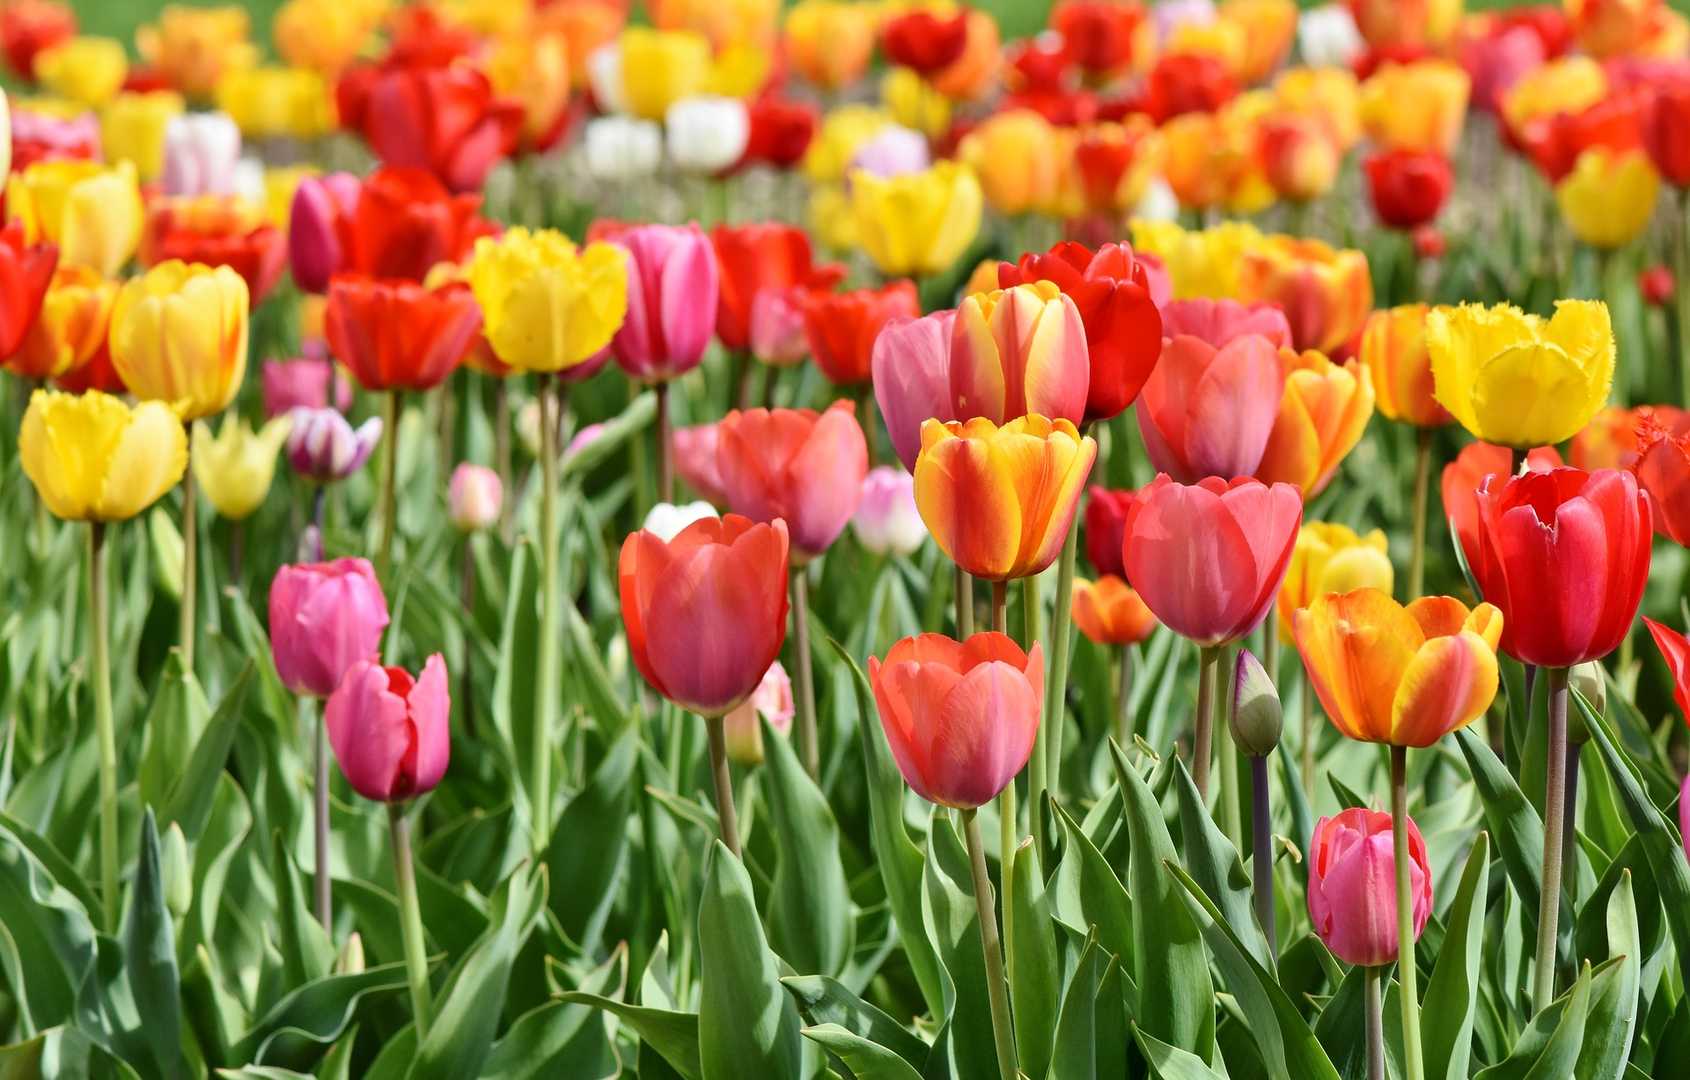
x,y
1110,289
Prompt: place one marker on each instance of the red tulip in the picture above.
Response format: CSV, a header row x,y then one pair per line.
x,y
763,255
1463,476
1675,650
26,270
217,231
391,733
27,27
912,378
1219,322
1657,285
1666,130
1111,289
1408,188
781,131
40,137
1554,143
1565,555
794,464
1106,529
444,119
1101,38
841,328
1187,82
1352,885
925,40
1038,63
705,612
1208,558
398,335
405,221
1663,468
1208,411
960,717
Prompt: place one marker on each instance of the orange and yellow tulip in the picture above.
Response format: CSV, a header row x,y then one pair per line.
x,y
1014,155
1331,558
1393,349
1326,292
71,327
1322,414
1419,106
830,41
1110,612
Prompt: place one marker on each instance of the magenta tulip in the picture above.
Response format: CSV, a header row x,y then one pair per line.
x,y
320,208
324,617
911,365
1352,885
303,383
391,733
1208,411
672,287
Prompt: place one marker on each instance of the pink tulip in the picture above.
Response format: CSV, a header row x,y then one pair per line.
x,y
1208,558
473,498
1218,322
1208,411
795,464
694,452
887,518
322,208
771,701
1352,885
911,366
1019,351
201,151
390,733
777,326
672,288
324,617
302,384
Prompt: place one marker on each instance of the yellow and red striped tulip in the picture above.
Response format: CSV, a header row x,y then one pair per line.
x,y
1326,292
1019,351
1331,558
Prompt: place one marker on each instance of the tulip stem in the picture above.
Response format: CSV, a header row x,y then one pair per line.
x,y
1569,821
1372,979
727,818
190,568
410,918
1036,769
665,462
1554,810
1407,972
1056,686
996,988
1305,745
964,605
319,807
1422,483
100,656
502,455
1208,664
1261,849
1226,750
808,749
466,596
389,483
1123,699
1000,607
546,686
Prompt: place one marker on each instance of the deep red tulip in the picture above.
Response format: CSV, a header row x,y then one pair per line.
x,y
705,613
1102,38
404,222
1565,555
1111,289
781,131
444,119
794,464
763,255
1187,82
398,335
841,327
25,272
925,40
1663,468
1106,529
1675,650
29,26
1408,188
1038,63
1462,477
1666,130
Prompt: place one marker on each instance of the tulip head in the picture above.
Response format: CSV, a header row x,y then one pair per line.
x,y
1109,612
1013,153
794,464
93,458
91,211
1352,892
548,306
391,734
706,134
74,313
1419,106
473,498
1219,322
841,328
1662,466
743,727
235,467
324,618
830,42
1257,719
918,223
179,335
617,149
1609,197
322,446
671,301
777,326
1408,187
1326,292
87,70
960,717
1322,414
201,151
1394,354
1018,351
887,520
1106,528
911,364
1208,411
1675,650
657,68
133,125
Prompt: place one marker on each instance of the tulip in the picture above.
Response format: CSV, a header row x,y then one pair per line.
x,y
1299,155
1109,612
841,328
1408,187
192,47
1675,650
390,732
706,134
271,102
446,120
324,619
1418,106
179,335
756,258
1663,470
1322,414
1555,142
1666,131
794,464
911,363
777,326
135,126
92,212
1656,285
1210,412
1104,39
1611,439
235,467
27,277
999,500
398,223
743,728
200,154
694,453
86,70
672,288
1608,198
919,223
473,497
659,68
1330,95
1518,379
41,136
1463,476
1220,322
27,27
93,458
323,447
1014,155
1393,351
1019,351
547,305
1115,163
1327,36
1351,866
666,520
894,150
1410,23
1112,293
1185,83
72,326
216,230
1106,529
1327,293
1204,263
320,213
1331,558
887,519
781,131
618,149
303,383
830,42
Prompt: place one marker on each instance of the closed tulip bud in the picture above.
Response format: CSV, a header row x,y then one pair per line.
x,y
93,458
1352,895
619,148
911,364
1394,354
391,733
666,520
918,223
841,328
1331,558
350,959
29,275
1657,285
1408,187
706,134
473,498
798,465
1518,379
546,305
672,289
960,717
235,467
1675,650
1609,197
1418,106
743,727
324,618
1587,678
1322,414
705,613
91,211
1257,718
887,520
176,870
661,67
1109,612
133,126
999,500
200,154
1326,292
1208,411
87,70
179,335
322,446
1019,351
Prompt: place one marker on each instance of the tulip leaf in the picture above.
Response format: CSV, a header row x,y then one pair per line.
x,y
311,1016
47,944
953,921
190,800
826,1002
809,910
1176,997
1091,1030
57,866
513,681
672,1035
1447,1029
1170,1062
588,851
867,1060
1035,967
1550,1045
149,949
1086,893
1613,1000
747,1023
171,733
1215,866
1509,817
307,952
554,1039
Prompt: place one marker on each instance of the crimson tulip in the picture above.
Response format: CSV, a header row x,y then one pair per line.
x,y
781,131
794,464
1106,529
841,328
755,257
1663,469
406,221
1555,142
1408,187
924,40
1462,477
215,230
445,119
1101,38
1675,650
398,335
1666,130
26,270
1187,82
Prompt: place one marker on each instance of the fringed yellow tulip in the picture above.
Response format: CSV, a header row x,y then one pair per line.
x,y
93,458
1609,197
1403,676
132,129
92,211
999,501
660,67
235,467
1419,106
547,305
74,320
1331,558
918,223
1322,414
270,102
1393,348
179,335
1519,380
87,70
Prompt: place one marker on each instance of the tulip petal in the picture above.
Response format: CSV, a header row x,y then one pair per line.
x,y
1448,684
369,730
967,498
984,736
430,707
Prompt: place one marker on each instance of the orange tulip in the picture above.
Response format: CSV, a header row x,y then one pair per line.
x,y
973,73
1298,155
1419,106
830,41
71,328
1109,611
1393,349
1403,676
1326,292
1322,414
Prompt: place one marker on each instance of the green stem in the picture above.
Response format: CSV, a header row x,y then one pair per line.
x,y
389,484
319,807
1226,751
410,916
502,456
1422,484
546,658
1305,744
996,988
1554,809
190,568
100,656
808,747
1056,686
1372,980
1261,849
1123,699
1208,663
964,605
1407,973
722,779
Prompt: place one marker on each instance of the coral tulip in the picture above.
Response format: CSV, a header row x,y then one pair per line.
x,y
1019,351
179,335
397,335
1326,292
1331,558
777,326
323,447
1565,555
841,328
672,282
794,464
911,365
1208,411
1322,414
548,306
918,223
324,618
753,259
1219,322
1393,350
1209,558
1352,895
999,500
960,717
235,467
93,458
1408,187
705,612
91,211
391,733
1609,198
1298,154
1109,612
1675,650
1663,470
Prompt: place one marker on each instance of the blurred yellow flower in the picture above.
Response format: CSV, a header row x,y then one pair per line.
x,y
132,128
1331,558
724,22
917,223
1268,28
1420,106
546,305
269,102
324,35
88,70
93,458
843,131
914,103
179,335
1333,94
1609,197
92,211
533,69
660,67
1013,153
830,41
1201,263
1569,85
831,219
740,70
235,467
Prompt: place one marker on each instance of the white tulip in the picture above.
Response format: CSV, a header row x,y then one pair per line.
x,y
604,76
621,148
1327,37
666,520
707,134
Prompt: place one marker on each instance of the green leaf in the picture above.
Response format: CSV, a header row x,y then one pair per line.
x,y
1091,1031
47,948
1176,998
58,867
1087,894
1613,1001
560,1038
1035,968
953,921
1216,867
674,1035
825,1001
1510,819
307,953
172,730
149,949
190,797
748,1025
1550,1045
1172,1063
589,845
809,911
310,1017
1447,1028
867,1060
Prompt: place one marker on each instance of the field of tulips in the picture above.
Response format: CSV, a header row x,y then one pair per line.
x,y
852,539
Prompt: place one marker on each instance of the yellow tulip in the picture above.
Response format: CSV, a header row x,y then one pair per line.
x,y
741,70
830,41
194,46
1609,197
843,131
831,220
235,467
918,223
1419,106
75,317
268,102
92,211
179,335
93,458
132,128
88,70
1201,263
914,103
1331,558
1013,153
546,305
660,67
1329,93
1517,379
1569,85
1219,39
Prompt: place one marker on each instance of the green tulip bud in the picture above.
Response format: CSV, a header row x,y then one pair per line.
x,y
1587,679
1257,718
350,959
177,871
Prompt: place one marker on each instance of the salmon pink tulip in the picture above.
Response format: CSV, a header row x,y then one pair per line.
x,y
1208,410
794,464
391,733
1218,322
1352,885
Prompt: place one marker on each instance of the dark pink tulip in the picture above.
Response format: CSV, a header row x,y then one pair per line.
x,y
390,733
1218,322
1352,885
672,287
911,365
324,617
302,384
318,228
1208,411
794,464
